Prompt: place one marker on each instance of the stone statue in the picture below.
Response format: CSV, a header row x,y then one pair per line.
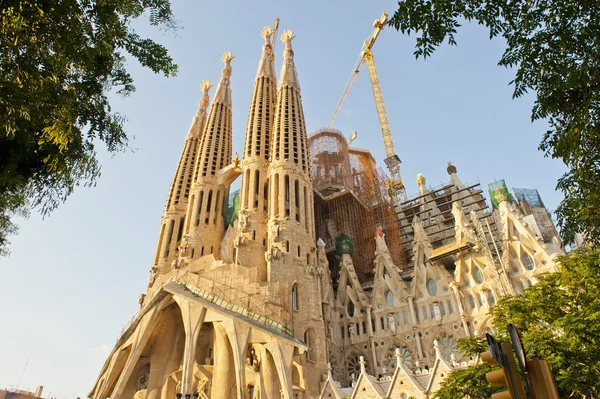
x,y
392,322
236,160
436,311
243,219
184,245
152,278
352,330
274,230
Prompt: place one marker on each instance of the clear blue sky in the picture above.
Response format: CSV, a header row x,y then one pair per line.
x,y
73,280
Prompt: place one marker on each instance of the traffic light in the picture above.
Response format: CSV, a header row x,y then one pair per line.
x,y
508,375
540,377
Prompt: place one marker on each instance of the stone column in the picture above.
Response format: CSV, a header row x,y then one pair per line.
x,y
418,341
193,317
370,330
461,310
413,316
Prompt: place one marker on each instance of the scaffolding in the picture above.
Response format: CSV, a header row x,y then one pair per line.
x,y
330,166
353,199
499,193
529,196
434,209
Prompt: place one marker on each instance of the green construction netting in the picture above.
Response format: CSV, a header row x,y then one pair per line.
x,y
231,208
530,196
499,192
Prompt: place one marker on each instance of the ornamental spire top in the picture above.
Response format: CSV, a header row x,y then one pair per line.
x,y
266,67
289,76
200,118
223,94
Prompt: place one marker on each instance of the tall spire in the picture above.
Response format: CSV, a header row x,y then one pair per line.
x,y
175,208
252,234
204,219
289,76
223,94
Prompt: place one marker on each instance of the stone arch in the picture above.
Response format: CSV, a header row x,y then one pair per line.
x,y
163,351
310,339
271,382
485,326
223,380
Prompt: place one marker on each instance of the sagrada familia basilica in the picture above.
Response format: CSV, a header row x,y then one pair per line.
x,y
315,280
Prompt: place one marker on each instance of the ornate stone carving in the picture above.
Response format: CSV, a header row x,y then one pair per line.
x,y
152,277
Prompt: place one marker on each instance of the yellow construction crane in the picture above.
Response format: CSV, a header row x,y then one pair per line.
x,y
392,161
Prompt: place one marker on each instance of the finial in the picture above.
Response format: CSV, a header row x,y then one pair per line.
x,y
451,168
362,362
329,370
227,57
420,180
236,160
287,37
398,357
320,242
205,86
436,346
266,34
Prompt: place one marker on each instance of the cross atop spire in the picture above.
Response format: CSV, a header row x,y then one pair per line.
x,y
289,76
223,94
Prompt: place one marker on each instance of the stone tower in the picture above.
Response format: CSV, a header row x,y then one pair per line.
x,y
204,219
172,221
291,239
252,227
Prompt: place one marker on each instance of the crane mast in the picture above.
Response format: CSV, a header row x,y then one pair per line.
x,y
392,161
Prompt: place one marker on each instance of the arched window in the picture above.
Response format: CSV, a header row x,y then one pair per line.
x,y
432,287
477,275
389,298
310,341
350,308
295,296
527,261
491,298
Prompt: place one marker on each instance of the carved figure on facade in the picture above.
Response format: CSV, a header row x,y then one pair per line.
x,y
352,330
252,359
391,322
152,277
274,229
437,312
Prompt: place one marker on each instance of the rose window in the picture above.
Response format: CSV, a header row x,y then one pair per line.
x,y
405,355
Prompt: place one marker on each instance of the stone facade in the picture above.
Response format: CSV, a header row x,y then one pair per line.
x,y
260,305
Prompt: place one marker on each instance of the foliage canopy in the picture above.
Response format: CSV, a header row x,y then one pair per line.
x,y
554,47
59,59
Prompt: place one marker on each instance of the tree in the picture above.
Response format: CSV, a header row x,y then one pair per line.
x,y
59,59
559,320
469,382
554,46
